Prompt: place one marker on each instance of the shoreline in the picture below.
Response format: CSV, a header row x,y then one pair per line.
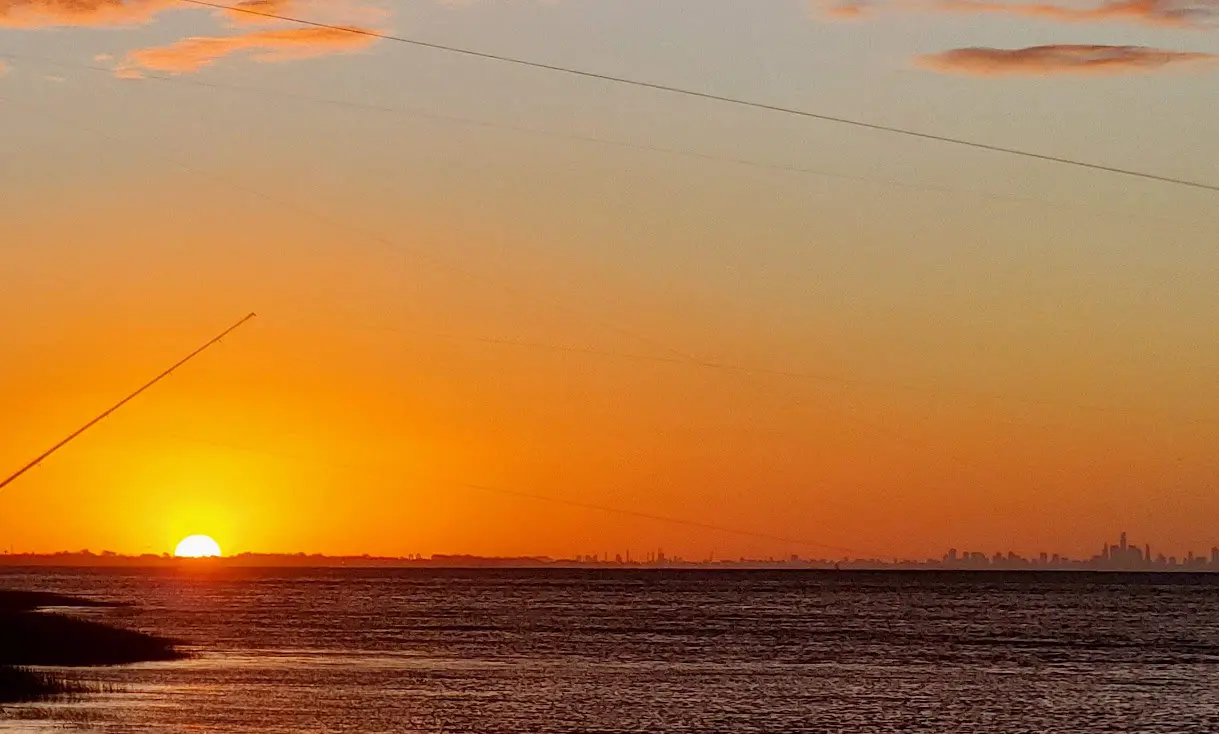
x,y
32,635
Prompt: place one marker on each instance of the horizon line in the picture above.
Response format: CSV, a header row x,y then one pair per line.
x,y
254,560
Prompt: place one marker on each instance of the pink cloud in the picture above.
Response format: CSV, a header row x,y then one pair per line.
x,y
1168,13
271,7
52,13
845,9
192,54
332,12
1059,59
1174,13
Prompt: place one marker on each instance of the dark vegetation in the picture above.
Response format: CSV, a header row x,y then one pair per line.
x,y
30,636
19,685
41,638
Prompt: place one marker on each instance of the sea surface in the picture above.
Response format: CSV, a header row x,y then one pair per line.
x,y
650,651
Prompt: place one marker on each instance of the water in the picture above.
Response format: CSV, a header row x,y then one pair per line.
x,y
510,652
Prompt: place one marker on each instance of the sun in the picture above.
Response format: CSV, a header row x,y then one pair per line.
x,y
197,546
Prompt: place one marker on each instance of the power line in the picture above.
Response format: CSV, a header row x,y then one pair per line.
x,y
693,361
507,288
46,454
391,245
607,142
717,97
550,499
665,519
679,355
765,371
681,358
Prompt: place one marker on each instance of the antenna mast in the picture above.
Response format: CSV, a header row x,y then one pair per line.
x,y
46,454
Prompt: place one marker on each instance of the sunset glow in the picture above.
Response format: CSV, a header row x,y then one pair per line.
x,y
495,301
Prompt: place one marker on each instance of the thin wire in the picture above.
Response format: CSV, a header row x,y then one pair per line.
x,y
347,227
609,142
46,454
718,98
608,509
680,355
746,369
683,356
609,326
667,519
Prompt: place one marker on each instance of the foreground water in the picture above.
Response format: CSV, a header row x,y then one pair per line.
x,y
569,651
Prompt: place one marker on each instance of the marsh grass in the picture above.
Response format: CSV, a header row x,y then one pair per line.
x,y
32,638
21,685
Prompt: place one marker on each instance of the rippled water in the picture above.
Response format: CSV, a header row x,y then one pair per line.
x,y
569,651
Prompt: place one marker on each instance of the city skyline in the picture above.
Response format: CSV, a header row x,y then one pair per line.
x,y
1121,556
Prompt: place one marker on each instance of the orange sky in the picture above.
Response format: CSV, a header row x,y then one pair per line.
x,y
445,303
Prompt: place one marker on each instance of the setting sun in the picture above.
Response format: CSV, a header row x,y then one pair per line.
x,y
197,546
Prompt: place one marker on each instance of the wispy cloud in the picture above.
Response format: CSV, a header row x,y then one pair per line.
x,y
1060,59
334,12
274,41
845,9
271,7
55,13
31,14
192,54
1172,13
1164,13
